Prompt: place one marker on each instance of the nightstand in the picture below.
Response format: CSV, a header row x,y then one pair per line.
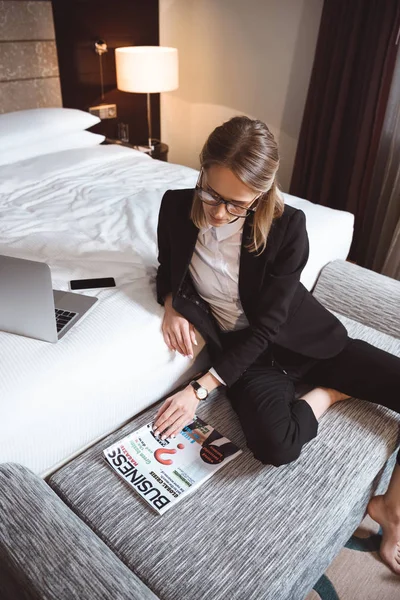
x,y
160,151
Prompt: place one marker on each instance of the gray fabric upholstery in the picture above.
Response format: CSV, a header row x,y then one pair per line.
x,y
252,531
48,553
361,295
327,552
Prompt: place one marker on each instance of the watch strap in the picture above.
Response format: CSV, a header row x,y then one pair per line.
x,y
196,386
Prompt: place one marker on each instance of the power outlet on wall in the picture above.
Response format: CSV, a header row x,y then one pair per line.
x,y
104,111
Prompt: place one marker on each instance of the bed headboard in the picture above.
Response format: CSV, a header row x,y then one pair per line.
x,y
28,58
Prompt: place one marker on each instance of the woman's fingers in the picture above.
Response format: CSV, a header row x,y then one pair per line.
x,y
187,341
172,420
167,340
172,343
170,338
166,415
179,342
175,428
166,335
180,336
192,334
163,408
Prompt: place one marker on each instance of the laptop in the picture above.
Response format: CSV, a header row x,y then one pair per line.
x,y
30,307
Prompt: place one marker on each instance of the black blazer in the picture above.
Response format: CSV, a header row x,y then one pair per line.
x,y
277,305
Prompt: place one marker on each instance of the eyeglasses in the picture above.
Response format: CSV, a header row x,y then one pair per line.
x,y
210,197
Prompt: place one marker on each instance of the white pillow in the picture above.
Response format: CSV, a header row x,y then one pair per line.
x,y
59,142
33,125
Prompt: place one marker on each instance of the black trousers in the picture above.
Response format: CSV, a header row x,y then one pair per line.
x,y
276,424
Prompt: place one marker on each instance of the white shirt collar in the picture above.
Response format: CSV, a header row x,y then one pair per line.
x,y
225,231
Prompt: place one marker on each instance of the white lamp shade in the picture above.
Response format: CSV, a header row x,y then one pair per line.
x,y
147,69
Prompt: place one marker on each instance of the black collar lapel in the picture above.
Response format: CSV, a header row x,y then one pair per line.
x,y
250,267
187,244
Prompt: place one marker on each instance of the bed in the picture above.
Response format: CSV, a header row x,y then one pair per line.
x,y
92,212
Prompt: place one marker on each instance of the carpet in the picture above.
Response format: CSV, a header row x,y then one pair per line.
x,y
357,572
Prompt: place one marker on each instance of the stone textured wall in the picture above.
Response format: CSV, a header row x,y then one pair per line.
x,y
29,75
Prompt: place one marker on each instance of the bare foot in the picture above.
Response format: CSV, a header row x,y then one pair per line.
x,y
339,396
390,523
321,398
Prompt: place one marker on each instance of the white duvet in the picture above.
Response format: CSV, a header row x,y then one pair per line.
x,y
87,213
93,213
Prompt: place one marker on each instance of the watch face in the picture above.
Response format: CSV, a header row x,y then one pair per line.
x,y
202,393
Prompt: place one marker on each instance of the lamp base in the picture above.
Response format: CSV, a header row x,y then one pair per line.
x,y
159,151
155,144
145,149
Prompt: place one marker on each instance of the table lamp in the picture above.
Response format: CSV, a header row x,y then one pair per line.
x,y
146,70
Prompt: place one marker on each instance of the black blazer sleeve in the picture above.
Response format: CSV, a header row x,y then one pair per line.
x,y
276,294
163,277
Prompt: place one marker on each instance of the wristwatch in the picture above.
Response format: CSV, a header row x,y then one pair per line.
x,y
200,391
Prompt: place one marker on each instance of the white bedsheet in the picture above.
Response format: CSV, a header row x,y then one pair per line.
x,y
87,213
91,213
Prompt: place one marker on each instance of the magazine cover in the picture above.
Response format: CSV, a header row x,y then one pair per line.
x,y
164,471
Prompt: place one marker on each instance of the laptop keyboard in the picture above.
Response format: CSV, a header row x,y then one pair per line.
x,y
63,317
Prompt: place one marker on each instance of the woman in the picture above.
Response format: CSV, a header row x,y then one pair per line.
x,y
231,254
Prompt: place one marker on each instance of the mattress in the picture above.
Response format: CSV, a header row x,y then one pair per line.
x,y
330,233
87,213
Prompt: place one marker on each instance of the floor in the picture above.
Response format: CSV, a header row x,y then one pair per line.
x,y
357,572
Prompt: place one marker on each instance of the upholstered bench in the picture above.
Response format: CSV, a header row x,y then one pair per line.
x,y
252,531
48,553
256,531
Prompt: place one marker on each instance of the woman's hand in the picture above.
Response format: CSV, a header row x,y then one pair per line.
x,y
176,412
178,333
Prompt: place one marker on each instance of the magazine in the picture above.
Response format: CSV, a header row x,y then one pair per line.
x,y
163,472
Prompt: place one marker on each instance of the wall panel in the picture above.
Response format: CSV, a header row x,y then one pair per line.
x,y
79,24
29,76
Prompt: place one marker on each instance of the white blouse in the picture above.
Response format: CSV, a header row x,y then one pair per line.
x,y
215,272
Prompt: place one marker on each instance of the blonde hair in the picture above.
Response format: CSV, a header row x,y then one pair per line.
x,y
248,148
